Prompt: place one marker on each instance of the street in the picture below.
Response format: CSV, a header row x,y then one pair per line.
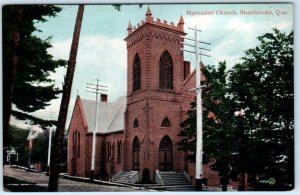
x,y
65,185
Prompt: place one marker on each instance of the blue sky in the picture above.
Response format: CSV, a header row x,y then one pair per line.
x,y
102,50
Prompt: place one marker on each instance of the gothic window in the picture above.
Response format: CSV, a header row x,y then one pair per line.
x,y
136,73
135,123
78,146
136,151
108,151
166,71
112,153
74,137
119,151
166,122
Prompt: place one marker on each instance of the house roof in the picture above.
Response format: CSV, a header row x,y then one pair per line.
x,y
110,115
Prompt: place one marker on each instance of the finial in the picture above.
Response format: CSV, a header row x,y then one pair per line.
x,y
180,24
129,28
181,21
148,13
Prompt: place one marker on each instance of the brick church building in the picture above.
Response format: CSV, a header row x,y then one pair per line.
x,y
140,131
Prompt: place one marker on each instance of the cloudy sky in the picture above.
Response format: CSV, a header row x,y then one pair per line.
x,y
102,50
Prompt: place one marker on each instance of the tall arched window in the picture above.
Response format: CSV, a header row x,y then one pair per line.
x,y
136,151
119,152
166,71
78,146
136,73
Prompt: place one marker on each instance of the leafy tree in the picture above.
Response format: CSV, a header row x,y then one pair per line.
x,y
258,141
219,131
189,133
262,85
26,63
18,140
40,148
219,138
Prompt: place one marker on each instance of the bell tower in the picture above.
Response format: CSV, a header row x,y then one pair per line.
x,y
156,74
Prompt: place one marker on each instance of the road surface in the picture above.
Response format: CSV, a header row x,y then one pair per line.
x,y
64,185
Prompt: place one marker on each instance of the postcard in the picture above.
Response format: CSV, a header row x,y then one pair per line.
x,y
148,97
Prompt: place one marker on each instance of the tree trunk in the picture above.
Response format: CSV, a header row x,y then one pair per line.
x,y
224,182
11,73
242,185
57,147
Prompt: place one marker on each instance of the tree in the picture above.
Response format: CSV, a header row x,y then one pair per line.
x,y
26,63
219,131
218,115
262,85
251,125
189,133
39,152
17,138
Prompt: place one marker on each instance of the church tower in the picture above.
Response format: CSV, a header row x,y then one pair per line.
x,y
156,73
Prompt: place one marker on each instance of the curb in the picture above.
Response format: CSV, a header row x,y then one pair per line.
x,y
87,180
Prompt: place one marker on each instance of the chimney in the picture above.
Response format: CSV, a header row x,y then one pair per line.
x,y
186,69
103,98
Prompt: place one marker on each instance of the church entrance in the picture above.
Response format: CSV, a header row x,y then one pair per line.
x,y
136,151
165,154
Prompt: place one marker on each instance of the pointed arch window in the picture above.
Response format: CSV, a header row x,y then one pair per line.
x,y
119,151
78,146
135,123
136,154
166,122
166,71
136,73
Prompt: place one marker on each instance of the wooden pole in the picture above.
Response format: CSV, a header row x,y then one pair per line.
x,y
58,139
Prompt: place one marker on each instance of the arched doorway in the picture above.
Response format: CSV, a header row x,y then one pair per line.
x,y
165,154
135,155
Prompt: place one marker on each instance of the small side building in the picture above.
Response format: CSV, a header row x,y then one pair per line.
x,y
109,138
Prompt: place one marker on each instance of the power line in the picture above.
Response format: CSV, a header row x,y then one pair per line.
x,y
230,32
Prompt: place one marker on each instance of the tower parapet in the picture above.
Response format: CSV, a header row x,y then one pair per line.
x,y
149,20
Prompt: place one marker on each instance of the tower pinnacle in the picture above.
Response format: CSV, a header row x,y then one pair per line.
x,y
148,13
129,28
181,23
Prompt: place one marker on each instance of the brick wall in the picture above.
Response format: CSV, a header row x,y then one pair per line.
x,y
77,141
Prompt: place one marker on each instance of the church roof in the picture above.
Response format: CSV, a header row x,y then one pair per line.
x,y
110,115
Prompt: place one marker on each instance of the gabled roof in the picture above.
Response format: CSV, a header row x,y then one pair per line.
x,y
110,115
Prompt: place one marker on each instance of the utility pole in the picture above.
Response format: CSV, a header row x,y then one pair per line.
x,y
57,148
30,148
199,144
49,145
49,151
97,89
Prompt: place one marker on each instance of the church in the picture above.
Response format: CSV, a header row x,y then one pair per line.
x,y
139,132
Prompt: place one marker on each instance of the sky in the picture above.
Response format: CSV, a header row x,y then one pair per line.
x,y
102,52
